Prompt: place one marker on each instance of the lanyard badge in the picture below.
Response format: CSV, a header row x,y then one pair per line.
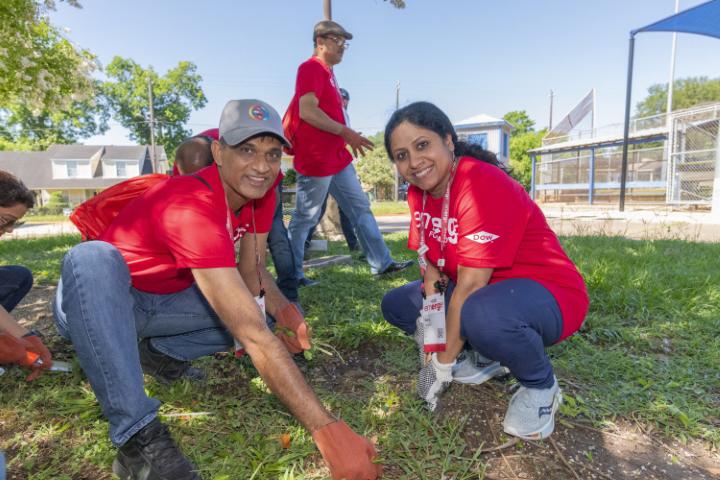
x,y
433,308
259,299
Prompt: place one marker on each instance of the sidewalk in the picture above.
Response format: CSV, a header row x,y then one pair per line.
x,y
641,224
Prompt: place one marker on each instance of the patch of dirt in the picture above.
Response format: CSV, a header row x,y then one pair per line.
x,y
576,450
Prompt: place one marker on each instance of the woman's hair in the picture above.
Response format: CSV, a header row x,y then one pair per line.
x,y
430,117
14,191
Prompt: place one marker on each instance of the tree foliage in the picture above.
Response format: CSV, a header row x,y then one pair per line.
x,y
523,138
375,168
397,3
39,68
175,95
687,92
47,94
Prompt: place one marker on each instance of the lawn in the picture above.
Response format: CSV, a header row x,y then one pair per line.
x,y
389,208
648,354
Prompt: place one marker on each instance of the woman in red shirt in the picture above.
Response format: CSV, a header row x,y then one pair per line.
x,y
492,266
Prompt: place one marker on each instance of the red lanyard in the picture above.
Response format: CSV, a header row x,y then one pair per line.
x,y
442,283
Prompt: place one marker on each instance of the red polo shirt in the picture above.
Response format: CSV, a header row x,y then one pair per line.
x,y
493,223
317,153
180,224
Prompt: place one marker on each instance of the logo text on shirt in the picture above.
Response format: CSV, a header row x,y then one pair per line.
x,y
482,237
433,225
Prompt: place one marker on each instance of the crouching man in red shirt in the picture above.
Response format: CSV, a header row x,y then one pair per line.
x,y
161,288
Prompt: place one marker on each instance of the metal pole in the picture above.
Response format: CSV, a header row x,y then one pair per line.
x,y
532,176
397,107
153,156
626,129
671,83
327,9
591,179
551,110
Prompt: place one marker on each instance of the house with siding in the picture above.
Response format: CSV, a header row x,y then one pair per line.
x,y
490,133
79,171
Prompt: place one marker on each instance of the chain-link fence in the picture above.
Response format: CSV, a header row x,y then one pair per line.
x,y
569,176
694,139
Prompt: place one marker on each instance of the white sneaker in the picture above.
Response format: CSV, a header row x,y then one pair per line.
x,y
531,412
474,369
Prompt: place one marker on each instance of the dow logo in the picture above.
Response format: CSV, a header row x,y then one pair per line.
x,y
482,237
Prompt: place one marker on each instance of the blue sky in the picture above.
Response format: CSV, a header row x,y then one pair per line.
x,y
467,56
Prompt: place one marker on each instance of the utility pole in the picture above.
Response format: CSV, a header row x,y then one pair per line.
x,y
153,155
552,95
327,9
397,107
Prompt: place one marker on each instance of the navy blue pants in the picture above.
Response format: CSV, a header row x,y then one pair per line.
x,y
15,283
510,321
281,252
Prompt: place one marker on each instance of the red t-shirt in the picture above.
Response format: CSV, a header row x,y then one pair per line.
x,y
493,223
318,153
180,224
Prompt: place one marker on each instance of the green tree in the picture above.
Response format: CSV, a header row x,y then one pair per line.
x,y
523,138
687,92
175,95
521,122
374,168
520,161
39,68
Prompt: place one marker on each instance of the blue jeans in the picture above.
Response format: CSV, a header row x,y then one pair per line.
x,y
345,225
15,283
345,187
281,252
510,321
104,316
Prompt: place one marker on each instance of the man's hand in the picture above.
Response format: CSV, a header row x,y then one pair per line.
x,y
357,142
292,329
433,380
25,352
348,455
35,345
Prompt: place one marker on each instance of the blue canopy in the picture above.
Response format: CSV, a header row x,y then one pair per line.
x,y
703,19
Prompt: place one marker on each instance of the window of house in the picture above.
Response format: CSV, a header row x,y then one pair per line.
x,y
505,148
72,169
121,169
478,139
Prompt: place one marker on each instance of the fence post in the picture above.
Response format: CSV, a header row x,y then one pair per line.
x,y
591,179
532,177
716,181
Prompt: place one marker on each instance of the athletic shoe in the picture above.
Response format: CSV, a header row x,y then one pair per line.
x,y
396,267
164,368
306,282
531,412
152,454
474,369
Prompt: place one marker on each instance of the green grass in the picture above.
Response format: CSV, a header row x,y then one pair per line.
x,y
389,208
46,218
648,352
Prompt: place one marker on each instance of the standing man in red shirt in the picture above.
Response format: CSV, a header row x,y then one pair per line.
x,y
165,274
316,125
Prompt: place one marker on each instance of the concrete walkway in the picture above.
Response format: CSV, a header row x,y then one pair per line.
x,y
636,223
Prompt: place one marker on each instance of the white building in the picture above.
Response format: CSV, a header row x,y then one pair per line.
x,y
490,133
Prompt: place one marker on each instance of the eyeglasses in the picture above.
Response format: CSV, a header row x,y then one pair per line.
x,y
340,42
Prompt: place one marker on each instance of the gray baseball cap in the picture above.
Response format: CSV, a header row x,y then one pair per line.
x,y
242,119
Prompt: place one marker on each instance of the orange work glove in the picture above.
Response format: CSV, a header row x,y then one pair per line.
x,y
34,345
292,329
348,455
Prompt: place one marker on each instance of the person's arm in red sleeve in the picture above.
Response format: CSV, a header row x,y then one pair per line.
x,y
311,81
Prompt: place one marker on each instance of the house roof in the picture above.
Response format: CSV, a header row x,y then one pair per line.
x,y
482,120
35,168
